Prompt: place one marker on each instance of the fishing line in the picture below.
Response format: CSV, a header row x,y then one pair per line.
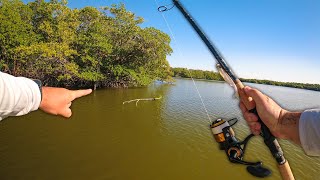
x,y
165,8
221,129
223,132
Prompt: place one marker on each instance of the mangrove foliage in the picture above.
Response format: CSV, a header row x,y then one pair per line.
x,y
89,47
86,47
196,74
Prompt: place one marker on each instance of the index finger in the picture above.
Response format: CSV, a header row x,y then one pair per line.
x,y
247,100
79,93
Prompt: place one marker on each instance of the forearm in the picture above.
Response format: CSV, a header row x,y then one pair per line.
x,y
18,96
289,123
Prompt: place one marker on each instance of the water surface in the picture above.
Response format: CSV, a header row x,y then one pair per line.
x,y
164,139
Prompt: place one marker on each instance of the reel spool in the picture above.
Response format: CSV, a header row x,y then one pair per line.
x,y
225,136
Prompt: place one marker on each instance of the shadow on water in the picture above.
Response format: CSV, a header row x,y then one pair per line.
x,y
163,139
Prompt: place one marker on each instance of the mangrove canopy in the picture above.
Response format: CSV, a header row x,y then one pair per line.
x,y
86,47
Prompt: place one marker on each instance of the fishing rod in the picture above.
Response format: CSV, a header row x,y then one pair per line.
x,y
221,129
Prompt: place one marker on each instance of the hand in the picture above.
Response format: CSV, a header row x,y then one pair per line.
x,y
282,123
57,101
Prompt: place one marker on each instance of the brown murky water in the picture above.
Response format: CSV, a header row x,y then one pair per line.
x,y
164,139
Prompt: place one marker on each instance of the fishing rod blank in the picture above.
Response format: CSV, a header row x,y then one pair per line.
x,y
269,139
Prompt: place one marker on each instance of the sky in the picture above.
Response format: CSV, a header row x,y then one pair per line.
x,y
266,39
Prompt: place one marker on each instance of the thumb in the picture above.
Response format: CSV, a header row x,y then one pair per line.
x,y
66,112
256,95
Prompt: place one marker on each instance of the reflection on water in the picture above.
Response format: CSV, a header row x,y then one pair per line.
x,y
165,139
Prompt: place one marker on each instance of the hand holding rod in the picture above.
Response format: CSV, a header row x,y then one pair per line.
x,y
269,139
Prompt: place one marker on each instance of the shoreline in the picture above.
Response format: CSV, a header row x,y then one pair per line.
x,y
282,84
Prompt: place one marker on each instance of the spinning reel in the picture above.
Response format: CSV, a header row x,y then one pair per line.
x,y
225,136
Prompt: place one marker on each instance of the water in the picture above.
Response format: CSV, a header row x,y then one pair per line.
x,y
164,139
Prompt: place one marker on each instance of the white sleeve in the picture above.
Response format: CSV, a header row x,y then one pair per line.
x,y
18,96
309,131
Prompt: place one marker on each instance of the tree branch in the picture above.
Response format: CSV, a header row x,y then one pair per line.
x,y
144,99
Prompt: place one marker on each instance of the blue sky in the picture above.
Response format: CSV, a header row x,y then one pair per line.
x,y
266,39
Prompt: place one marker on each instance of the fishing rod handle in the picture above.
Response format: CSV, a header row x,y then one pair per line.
x,y
267,136
285,171
270,141
275,149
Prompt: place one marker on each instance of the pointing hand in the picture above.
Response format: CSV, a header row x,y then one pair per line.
x,y
57,101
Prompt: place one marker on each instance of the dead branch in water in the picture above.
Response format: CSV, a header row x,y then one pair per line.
x,y
144,99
